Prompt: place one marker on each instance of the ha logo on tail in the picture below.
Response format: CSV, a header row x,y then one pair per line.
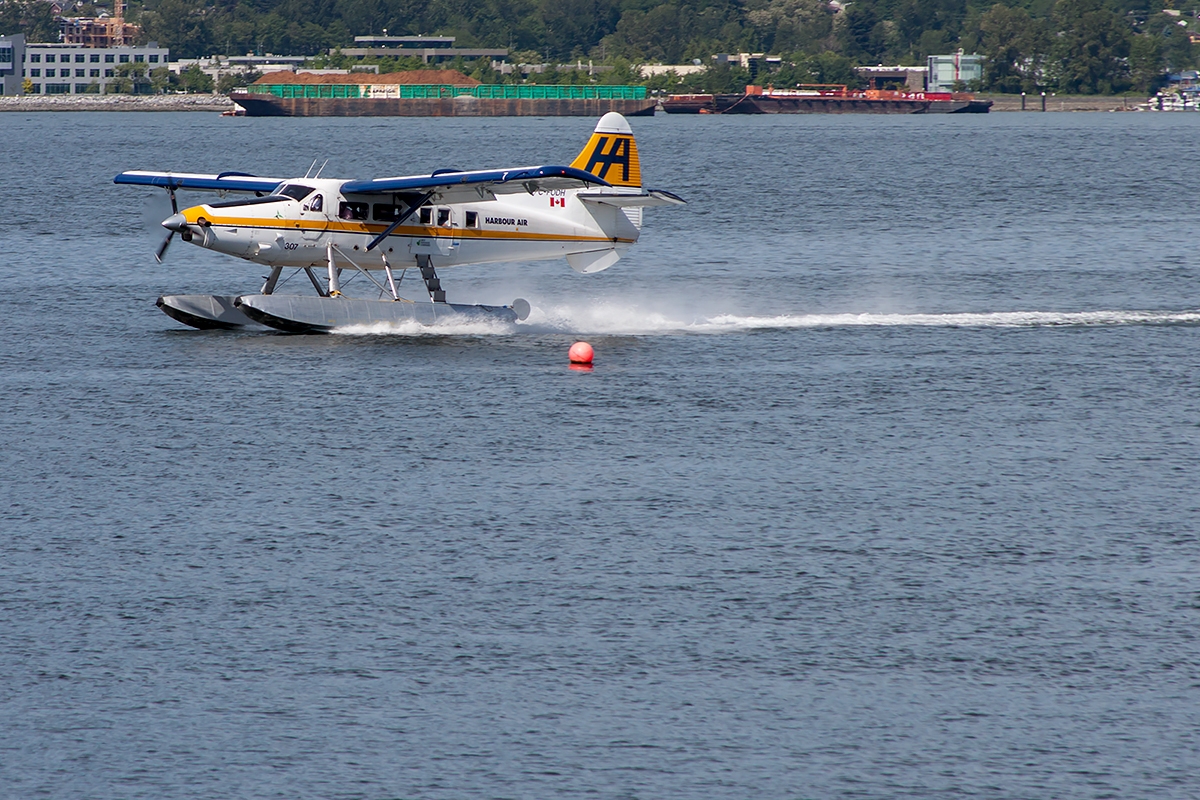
x,y
589,212
611,154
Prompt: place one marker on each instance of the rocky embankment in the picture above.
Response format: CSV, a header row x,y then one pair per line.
x,y
117,102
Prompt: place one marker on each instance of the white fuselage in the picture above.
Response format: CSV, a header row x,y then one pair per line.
x,y
307,222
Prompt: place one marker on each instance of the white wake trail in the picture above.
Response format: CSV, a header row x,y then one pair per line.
x,y
612,318
452,326
995,319
624,319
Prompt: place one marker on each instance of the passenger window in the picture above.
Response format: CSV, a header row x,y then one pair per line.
x,y
443,217
387,213
472,219
318,203
426,215
354,210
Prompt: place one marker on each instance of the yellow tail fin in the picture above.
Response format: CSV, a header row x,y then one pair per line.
x,y
611,154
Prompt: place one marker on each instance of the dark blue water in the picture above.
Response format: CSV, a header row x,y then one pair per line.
x,y
884,483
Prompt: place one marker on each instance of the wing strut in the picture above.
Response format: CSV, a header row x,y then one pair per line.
x,y
396,224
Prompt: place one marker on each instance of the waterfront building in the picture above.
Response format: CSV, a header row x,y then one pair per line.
x,y
101,31
944,72
219,67
12,54
430,49
908,79
69,68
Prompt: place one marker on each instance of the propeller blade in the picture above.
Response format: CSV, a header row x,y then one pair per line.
x,y
162,248
174,205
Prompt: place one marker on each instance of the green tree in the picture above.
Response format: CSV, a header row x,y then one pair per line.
x,y
859,33
181,26
160,79
717,79
924,27
1146,63
1090,48
194,80
232,81
1178,52
30,17
1013,45
789,26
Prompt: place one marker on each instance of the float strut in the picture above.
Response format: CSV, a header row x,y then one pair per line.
x,y
387,268
316,284
272,279
334,286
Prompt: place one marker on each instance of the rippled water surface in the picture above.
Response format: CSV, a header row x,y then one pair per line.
x,y
884,483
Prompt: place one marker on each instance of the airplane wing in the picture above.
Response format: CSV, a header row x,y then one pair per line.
x,y
452,186
650,197
224,182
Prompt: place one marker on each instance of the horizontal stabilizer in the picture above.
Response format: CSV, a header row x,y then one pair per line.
x,y
653,197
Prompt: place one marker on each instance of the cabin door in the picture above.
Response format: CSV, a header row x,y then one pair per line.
x,y
443,230
314,218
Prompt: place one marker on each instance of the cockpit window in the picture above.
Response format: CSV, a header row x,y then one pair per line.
x,y
295,191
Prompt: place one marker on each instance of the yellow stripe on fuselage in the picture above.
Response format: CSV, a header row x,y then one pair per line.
x,y
343,226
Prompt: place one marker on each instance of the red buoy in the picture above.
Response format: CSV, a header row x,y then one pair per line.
x,y
581,353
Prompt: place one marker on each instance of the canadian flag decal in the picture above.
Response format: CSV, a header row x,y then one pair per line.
x,y
558,201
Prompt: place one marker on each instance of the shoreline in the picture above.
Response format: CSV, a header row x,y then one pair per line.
x,y
1001,103
1072,102
117,102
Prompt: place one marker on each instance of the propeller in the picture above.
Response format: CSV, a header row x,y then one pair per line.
x,y
173,223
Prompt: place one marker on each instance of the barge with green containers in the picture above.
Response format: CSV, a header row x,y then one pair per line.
x,y
354,95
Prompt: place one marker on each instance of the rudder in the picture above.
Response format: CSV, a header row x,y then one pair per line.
x,y
611,154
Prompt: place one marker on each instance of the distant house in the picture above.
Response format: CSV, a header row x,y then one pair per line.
x,y
1185,82
430,49
945,72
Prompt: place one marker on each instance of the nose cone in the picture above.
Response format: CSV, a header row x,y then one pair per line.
x,y
175,222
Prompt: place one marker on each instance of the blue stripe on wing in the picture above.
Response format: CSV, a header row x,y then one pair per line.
x,y
226,181
451,179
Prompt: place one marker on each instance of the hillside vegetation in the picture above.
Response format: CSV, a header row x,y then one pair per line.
x,y
1078,46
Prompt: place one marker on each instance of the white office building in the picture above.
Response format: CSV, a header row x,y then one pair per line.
x,y
59,68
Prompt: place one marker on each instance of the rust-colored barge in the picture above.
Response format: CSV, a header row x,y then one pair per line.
x,y
826,99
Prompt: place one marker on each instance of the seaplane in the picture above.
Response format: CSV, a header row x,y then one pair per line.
x,y
333,230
